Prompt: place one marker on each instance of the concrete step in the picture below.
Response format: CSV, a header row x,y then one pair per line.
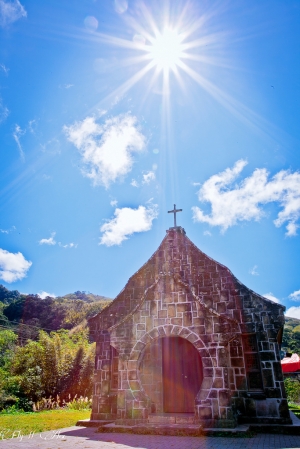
x,y
92,423
169,418
173,430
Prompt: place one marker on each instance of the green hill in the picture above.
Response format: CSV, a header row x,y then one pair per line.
x,y
30,313
291,335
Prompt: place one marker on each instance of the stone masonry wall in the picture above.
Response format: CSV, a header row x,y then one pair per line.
x,y
182,292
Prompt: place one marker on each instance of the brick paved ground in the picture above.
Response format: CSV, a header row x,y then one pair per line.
x,y
86,438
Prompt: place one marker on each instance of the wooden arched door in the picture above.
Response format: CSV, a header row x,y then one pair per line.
x,y
182,375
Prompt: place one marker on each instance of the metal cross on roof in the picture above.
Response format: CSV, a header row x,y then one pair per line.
x,y
174,211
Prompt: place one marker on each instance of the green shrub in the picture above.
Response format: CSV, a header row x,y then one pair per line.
x,y
292,387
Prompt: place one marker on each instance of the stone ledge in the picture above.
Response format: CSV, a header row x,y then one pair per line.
x,y
175,430
93,422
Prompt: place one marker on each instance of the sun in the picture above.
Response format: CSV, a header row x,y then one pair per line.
x,y
166,50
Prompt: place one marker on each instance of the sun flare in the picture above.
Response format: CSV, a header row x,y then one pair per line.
x,y
166,50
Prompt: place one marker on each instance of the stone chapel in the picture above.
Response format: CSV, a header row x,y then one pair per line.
x,y
185,336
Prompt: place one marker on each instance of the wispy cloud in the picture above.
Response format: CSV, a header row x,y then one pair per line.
x,y
4,112
106,149
49,241
32,126
44,295
47,177
148,177
4,69
7,231
18,132
230,205
113,203
68,245
271,297
13,266
126,222
52,146
66,86
254,271
134,183
10,11
208,233
295,296
293,312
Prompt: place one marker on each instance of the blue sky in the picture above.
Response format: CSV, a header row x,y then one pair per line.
x,y
112,111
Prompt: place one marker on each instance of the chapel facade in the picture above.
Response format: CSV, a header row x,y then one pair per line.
x,y
185,336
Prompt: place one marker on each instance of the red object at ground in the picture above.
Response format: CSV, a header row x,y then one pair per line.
x,y
291,364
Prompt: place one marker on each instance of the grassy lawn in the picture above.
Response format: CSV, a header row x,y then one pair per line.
x,y
41,421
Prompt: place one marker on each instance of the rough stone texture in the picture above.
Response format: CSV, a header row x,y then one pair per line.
x,y
182,292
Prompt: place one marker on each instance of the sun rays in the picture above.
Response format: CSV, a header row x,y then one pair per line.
x,y
166,50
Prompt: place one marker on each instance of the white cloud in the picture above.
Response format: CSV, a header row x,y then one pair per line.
x,y
4,112
44,295
241,202
13,266
148,177
68,245
113,203
49,241
207,233
52,146
271,297
66,86
106,149
134,183
10,11
295,296
4,69
32,124
47,177
293,312
254,271
7,231
126,222
18,132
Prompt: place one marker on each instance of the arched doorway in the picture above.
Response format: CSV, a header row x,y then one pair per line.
x,y
182,375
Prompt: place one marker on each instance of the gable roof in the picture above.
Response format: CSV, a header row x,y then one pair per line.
x,y
179,258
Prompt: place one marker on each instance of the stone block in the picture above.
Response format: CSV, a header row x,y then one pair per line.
x,y
183,307
132,375
222,357
250,407
224,398
272,408
267,376
241,383
207,383
187,319
273,392
171,311
284,409
205,412
162,314
277,370
237,362
267,355
176,321
218,382
208,372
